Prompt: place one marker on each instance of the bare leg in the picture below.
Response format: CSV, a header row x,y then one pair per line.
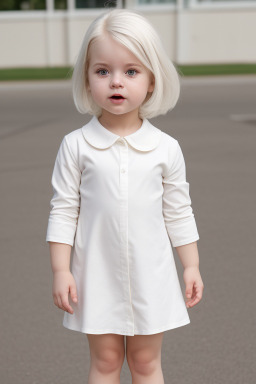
x,y
144,358
107,356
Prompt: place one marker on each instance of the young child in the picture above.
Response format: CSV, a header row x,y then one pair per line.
x,y
120,200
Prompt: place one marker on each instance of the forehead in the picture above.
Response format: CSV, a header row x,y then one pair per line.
x,y
106,49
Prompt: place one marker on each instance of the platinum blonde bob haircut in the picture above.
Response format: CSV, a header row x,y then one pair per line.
x,y
134,32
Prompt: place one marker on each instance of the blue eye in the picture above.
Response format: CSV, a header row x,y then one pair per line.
x,y
102,71
133,72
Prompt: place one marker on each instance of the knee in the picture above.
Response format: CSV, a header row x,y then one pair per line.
x,y
142,362
108,360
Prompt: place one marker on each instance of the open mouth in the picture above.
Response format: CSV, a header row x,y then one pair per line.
x,y
117,97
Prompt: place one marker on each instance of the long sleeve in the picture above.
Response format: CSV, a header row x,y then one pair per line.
x,y
177,211
65,203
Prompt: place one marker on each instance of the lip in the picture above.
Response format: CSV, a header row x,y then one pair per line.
x,y
117,101
117,94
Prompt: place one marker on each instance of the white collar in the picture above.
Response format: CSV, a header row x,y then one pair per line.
x,y
146,138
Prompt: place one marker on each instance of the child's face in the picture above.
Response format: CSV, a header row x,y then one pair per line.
x,y
113,69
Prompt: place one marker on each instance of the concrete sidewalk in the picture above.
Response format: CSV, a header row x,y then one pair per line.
x,y
218,345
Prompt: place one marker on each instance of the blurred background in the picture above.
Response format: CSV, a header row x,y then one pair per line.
x,y
200,36
212,44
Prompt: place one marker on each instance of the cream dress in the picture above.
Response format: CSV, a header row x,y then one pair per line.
x,y
122,203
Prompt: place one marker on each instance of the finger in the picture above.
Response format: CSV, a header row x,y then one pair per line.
x,y
59,302
55,300
193,303
66,306
73,293
193,292
193,296
190,299
197,291
189,290
195,300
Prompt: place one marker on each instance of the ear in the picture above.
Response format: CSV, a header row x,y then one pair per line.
x,y
87,85
151,86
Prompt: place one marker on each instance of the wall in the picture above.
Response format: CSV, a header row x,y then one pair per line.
x,y
195,36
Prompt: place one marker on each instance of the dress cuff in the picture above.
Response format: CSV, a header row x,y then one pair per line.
x,y
60,232
182,232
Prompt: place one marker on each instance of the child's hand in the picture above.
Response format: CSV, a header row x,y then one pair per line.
x,y
63,283
194,286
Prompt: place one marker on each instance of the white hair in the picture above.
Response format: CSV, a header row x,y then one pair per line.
x,y
138,35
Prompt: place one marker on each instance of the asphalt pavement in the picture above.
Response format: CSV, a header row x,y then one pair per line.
x,y
215,123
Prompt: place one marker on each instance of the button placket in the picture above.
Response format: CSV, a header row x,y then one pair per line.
x,y
124,230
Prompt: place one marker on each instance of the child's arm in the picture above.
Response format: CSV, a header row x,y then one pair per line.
x,y
63,280
65,203
177,211
189,257
62,224
180,224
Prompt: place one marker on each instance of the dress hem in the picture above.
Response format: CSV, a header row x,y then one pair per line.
x,y
128,333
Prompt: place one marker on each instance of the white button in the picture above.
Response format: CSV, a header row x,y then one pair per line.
x,y
122,170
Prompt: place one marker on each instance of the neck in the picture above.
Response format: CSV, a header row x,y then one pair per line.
x,y
121,124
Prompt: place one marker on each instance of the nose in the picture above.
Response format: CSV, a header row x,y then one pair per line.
x,y
116,81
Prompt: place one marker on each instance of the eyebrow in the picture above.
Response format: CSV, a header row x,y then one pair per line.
x,y
127,65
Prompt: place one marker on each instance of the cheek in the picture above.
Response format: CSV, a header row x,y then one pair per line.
x,y
140,90
96,88
92,81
